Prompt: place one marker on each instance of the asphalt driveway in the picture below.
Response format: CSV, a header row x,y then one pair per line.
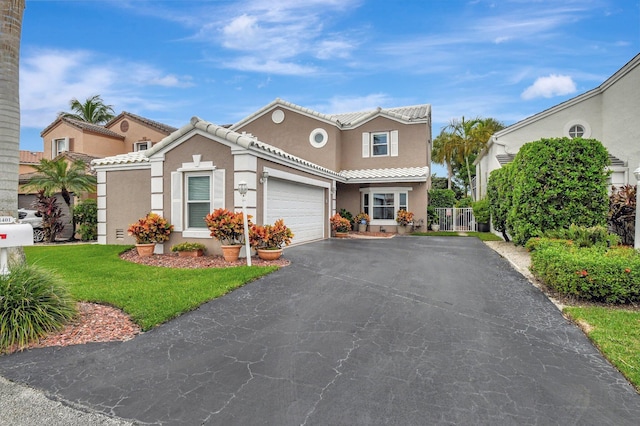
x,y
402,331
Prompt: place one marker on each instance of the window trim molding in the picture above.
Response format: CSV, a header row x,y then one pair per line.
x,y
396,190
388,144
312,137
577,122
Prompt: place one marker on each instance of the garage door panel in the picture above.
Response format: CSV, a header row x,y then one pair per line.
x,y
301,207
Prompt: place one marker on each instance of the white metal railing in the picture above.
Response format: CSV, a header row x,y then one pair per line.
x,y
456,219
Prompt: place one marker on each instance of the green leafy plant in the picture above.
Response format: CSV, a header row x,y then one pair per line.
x,y
499,193
51,215
339,223
556,182
362,218
439,198
404,218
270,237
152,228
33,302
85,215
582,236
187,246
481,210
227,226
597,273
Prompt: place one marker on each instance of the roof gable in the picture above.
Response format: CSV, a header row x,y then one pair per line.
x,y
407,114
83,126
164,128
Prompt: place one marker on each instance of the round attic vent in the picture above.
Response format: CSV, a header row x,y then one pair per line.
x,y
124,125
277,116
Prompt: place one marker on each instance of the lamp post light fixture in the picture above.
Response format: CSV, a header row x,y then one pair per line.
x,y
636,238
242,189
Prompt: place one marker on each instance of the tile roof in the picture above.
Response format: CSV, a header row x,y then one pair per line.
x,y
129,158
508,158
395,174
84,126
151,123
30,157
415,113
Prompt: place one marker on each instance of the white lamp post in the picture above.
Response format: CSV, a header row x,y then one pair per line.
x,y
636,240
242,189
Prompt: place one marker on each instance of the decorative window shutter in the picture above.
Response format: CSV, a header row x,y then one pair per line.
x,y
218,189
53,149
394,143
366,140
176,200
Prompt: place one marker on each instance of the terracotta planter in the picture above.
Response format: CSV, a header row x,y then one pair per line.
x,y
231,253
342,234
362,227
269,254
402,229
145,250
190,253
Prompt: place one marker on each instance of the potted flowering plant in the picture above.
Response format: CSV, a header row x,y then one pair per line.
x,y
189,249
148,231
228,228
340,225
362,219
269,239
403,218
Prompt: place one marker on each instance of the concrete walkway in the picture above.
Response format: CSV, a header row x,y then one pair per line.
x,y
402,331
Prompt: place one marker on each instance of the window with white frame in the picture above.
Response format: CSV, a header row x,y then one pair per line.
x,y
379,144
195,192
198,199
382,204
59,146
576,131
142,146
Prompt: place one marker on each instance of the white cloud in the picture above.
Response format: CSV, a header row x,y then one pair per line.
x,y
343,104
547,87
49,79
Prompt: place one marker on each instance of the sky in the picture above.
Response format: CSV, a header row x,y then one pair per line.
x,y
222,60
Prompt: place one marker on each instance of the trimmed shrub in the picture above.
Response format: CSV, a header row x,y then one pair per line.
x,y
594,273
557,182
499,193
585,237
32,303
481,210
86,216
439,198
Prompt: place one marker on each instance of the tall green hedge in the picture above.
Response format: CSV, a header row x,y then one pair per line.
x,y
499,192
557,182
439,198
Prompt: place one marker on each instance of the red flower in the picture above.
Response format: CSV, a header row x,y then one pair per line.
x,y
627,270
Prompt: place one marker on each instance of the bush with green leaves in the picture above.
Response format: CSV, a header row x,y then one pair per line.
x,y
33,303
582,236
439,198
597,273
481,210
557,182
499,193
85,215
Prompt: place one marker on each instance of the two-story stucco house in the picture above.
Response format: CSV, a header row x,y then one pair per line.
x,y
608,113
299,164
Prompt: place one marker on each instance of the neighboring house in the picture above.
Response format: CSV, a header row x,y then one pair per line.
x,y
608,113
124,133
28,159
300,165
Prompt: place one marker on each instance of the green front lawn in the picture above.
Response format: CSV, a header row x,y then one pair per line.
x,y
616,332
150,295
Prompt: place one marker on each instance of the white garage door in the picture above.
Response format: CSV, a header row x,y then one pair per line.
x,y
301,207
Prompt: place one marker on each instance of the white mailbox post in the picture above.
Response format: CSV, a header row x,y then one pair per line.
x,y
12,234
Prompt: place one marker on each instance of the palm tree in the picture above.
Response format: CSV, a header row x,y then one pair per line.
x,y
443,152
93,110
461,140
60,176
10,31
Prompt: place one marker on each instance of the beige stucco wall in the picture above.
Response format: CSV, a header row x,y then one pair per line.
x,y
292,136
84,142
128,199
413,145
137,132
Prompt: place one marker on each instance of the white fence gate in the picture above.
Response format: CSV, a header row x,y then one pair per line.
x,y
456,219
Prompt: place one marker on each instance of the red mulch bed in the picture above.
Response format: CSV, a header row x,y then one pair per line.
x,y
101,323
